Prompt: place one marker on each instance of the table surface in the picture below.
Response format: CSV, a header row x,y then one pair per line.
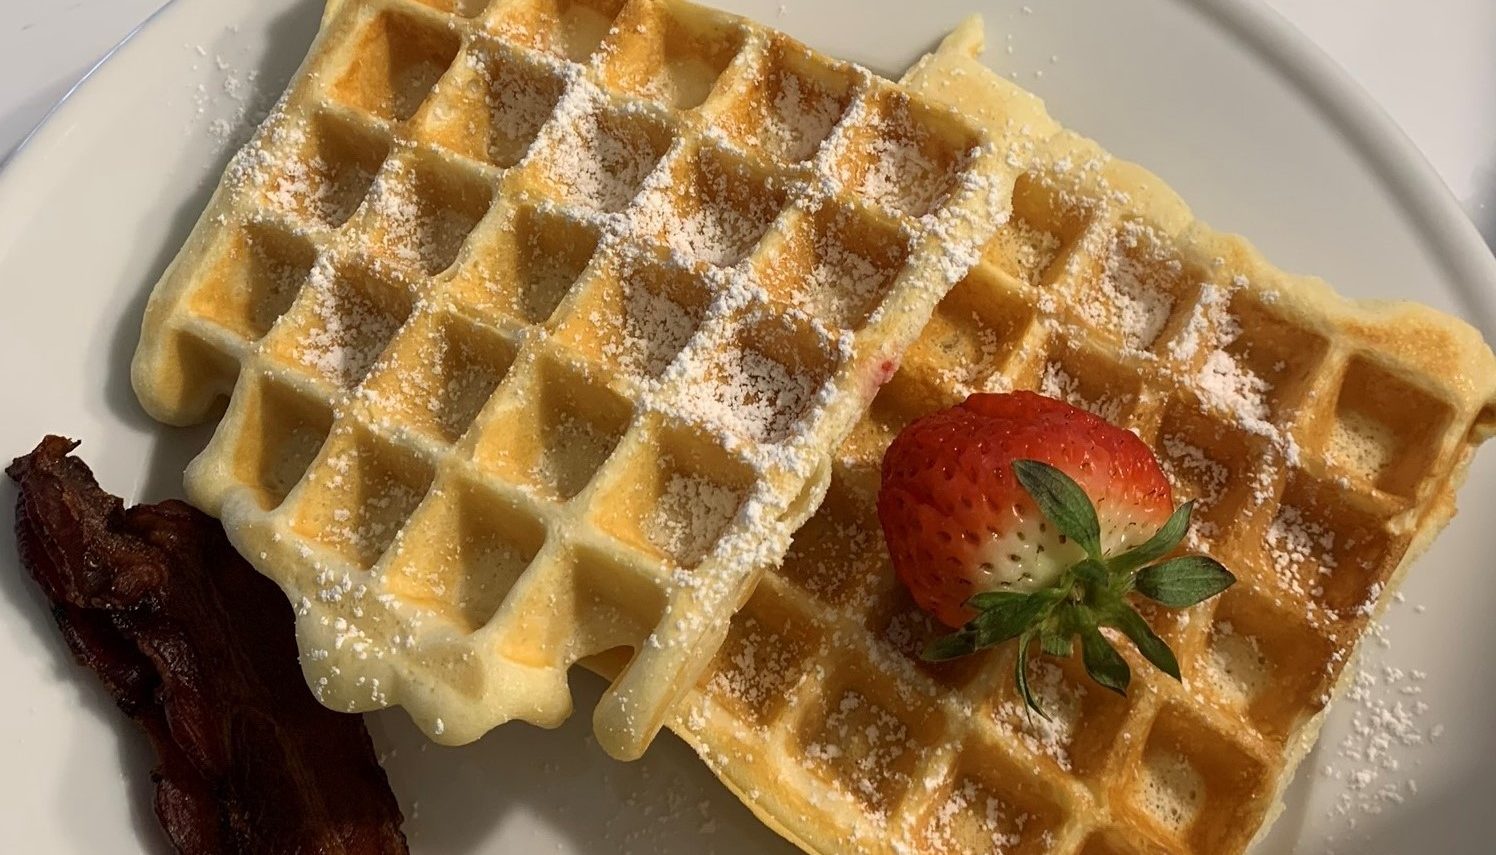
x,y
1433,72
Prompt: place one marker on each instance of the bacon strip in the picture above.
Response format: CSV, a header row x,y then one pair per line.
x,y
199,649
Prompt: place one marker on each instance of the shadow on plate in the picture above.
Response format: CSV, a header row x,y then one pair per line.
x,y
1483,207
522,789
290,33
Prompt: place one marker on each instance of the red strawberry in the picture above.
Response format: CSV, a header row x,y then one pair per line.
x,y
958,522
969,508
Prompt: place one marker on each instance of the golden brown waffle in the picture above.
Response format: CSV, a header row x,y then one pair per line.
x,y
1323,440
540,321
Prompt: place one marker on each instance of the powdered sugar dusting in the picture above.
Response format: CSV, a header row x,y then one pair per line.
x,y
1191,469
416,231
1223,380
368,529
899,175
349,329
1024,249
273,280
970,818
448,383
1060,699
844,284
867,746
655,328
750,393
517,99
759,668
1128,299
574,449
1389,722
310,183
799,116
1301,547
597,160
691,514
231,93
756,395
715,213
1056,382
1228,384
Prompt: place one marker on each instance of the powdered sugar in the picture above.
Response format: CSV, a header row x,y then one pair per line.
x,y
232,94
420,232
1205,478
868,748
654,329
844,284
369,528
797,118
749,392
273,281
899,176
1024,249
715,212
411,81
1302,548
348,331
447,382
690,516
1056,382
1227,384
1127,299
1389,722
1061,700
517,98
969,816
595,159
761,667
321,172
574,449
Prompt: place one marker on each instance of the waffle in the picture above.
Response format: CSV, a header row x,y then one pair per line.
x,y
1322,439
539,322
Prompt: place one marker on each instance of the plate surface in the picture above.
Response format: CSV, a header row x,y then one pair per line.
x,y
1258,131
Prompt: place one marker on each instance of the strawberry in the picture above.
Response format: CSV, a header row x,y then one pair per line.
x,y
1019,516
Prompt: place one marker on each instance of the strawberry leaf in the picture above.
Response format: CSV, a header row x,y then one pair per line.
x,y
1105,665
1005,615
1063,502
1020,675
988,600
1153,648
1183,582
1092,574
1055,643
1160,544
953,646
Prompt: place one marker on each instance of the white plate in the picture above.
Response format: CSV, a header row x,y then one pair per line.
x,y
1223,100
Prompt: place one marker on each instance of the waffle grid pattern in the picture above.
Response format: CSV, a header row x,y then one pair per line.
x,y
1324,465
521,351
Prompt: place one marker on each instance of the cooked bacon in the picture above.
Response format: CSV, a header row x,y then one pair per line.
x,y
199,649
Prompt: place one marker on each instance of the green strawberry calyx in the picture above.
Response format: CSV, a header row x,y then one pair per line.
x,y
1090,594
